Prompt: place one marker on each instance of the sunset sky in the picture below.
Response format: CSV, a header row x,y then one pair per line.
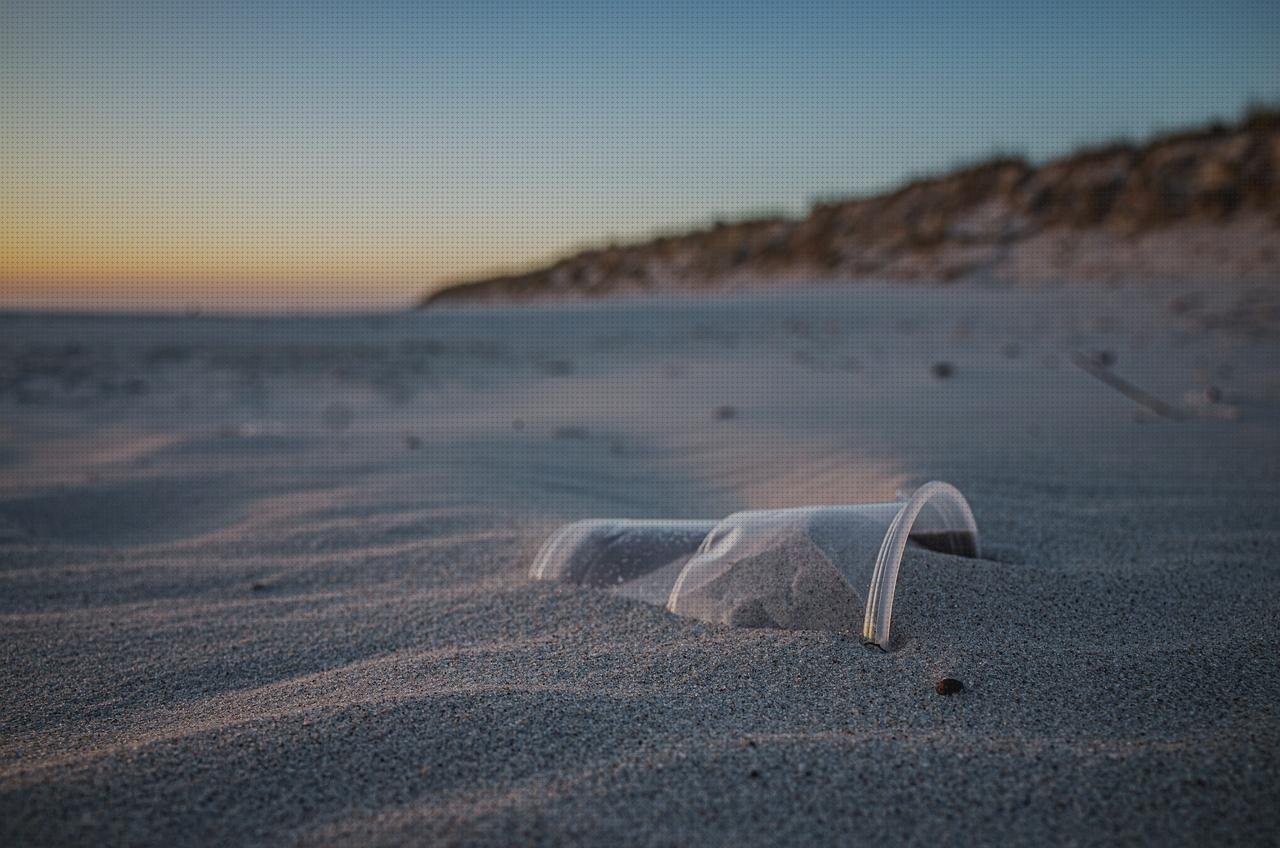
x,y
312,156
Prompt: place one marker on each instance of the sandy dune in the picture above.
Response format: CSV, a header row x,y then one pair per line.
x,y
264,580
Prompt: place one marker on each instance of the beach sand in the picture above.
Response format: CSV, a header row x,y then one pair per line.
x,y
265,579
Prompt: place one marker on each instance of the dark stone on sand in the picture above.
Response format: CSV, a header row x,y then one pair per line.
x,y
724,413
575,433
942,370
556,367
412,442
948,686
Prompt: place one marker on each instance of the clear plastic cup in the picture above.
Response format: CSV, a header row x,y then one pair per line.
x,y
801,568
636,558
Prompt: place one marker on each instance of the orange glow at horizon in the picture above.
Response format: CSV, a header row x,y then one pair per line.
x,y
93,264
81,230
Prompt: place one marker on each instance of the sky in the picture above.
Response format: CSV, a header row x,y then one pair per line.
x,y
333,156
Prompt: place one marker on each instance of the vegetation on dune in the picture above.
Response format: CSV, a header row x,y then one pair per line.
x,y
948,226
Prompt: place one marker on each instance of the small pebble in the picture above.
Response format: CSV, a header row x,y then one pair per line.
x,y
948,686
412,442
258,587
724,413
557,367
942,370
